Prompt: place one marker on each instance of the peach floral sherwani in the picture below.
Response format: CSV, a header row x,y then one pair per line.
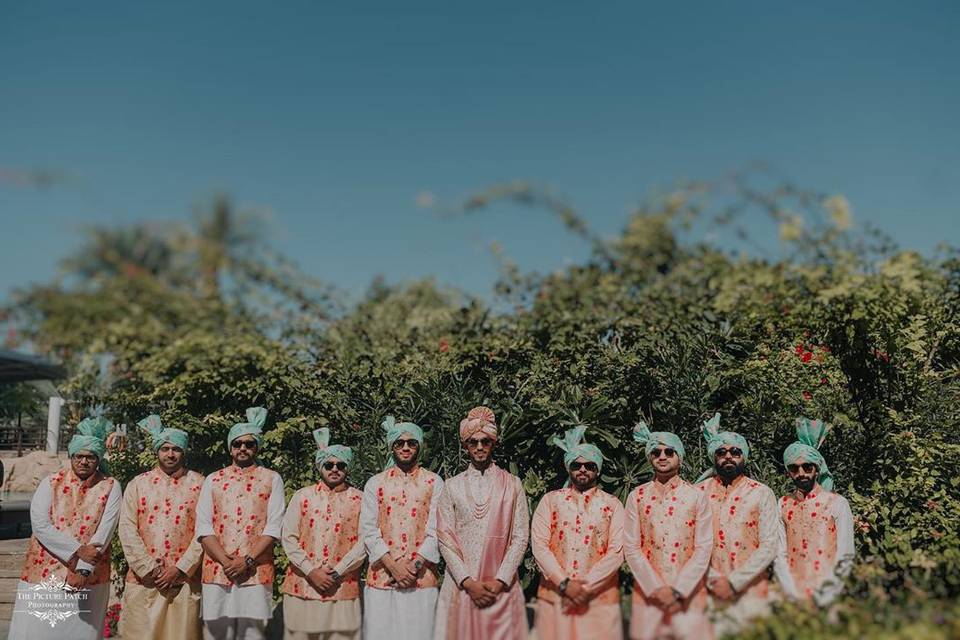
x,y
483,527
578,536
156,530
818,552
746,542
668,540
65,513
398,516
238,505
322,528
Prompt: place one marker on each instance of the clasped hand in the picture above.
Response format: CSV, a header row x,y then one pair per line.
x,y
235,568
403,572
483,593
666,599
577,594
323,579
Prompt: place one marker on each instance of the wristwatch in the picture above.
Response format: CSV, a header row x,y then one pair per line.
x,y
418,564
84,572
249,562
562,587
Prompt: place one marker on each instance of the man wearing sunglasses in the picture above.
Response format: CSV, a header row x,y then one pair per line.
x,y
818,552
746,529
668,540
577,540
73,513
321,536
398,525
239,519
483,528
161,599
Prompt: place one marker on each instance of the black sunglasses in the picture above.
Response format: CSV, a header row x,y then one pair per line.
x,y
413,443
244,444
808,467
473,443
736,452
667,451
341,466
589,466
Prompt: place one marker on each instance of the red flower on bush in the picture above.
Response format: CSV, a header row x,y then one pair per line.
x,y
111,621
444,346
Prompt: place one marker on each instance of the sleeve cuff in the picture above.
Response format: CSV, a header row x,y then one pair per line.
x,y
84,565
505,577
272,531
430,552
377,550
185,568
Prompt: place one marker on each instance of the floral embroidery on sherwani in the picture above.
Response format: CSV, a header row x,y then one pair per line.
x,y
811,538
329,524
580,530
738,511
166,514
240,498
76,507
403,509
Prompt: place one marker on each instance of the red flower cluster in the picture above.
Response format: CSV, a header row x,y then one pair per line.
x,y
111,621
806,354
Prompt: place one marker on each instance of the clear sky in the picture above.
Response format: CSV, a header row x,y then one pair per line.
x,y
334,116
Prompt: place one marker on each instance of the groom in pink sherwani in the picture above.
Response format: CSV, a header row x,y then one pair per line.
x,y
483,527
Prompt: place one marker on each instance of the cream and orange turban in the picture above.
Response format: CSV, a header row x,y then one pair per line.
x,y
479,420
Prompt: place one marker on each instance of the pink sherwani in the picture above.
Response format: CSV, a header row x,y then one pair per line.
x,y
483,527
819,547
746,541
578,536
668,540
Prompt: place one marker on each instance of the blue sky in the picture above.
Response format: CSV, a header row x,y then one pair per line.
x,y
333,117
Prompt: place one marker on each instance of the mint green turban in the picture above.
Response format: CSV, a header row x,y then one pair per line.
x,y
716,439
91,436
326,450
650,439
160,434
256,418
574,447
396,429
810,435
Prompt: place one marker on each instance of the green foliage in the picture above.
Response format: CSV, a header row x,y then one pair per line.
x,y
847,328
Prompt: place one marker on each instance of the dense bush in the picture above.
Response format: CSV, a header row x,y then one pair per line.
x,y
846,328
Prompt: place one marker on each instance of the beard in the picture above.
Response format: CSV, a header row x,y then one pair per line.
x,y
804,484
731,471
